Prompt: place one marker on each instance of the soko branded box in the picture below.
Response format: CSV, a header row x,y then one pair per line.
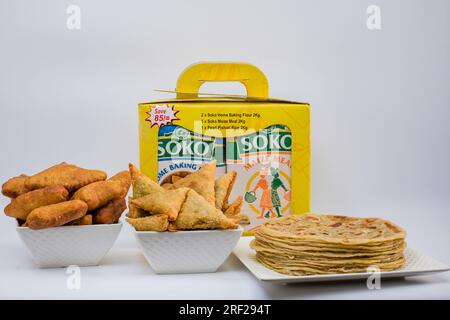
x,y
265,140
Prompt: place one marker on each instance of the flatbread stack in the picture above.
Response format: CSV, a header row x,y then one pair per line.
x,y
323,244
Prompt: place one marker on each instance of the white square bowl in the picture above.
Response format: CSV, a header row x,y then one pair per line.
x,y
70,245
187,251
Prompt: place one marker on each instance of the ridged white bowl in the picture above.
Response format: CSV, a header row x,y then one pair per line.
x,y
70,245
187,251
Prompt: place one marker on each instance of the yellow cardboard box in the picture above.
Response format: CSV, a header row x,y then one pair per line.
x,y
265,140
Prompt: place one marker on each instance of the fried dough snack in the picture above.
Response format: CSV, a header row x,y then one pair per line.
x,y
156,222
142,185
21,206
168,186
202,181
111,212
166,202
68,175
185,202
56,214
235,208
83,221
15,186
86,220
124,178
222,188
175,178
197,213
87,190
233,212
245,219
135,212
99,193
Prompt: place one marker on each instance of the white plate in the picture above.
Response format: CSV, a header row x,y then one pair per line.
x,y
416,264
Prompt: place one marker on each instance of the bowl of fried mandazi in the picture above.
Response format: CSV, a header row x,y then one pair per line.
x,y
70,245
67,215
193,251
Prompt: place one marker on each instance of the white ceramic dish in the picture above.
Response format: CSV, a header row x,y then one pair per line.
x,y
70,245
187,251
416,264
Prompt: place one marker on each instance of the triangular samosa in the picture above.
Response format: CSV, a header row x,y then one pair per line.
x,y
168,186
142,185
166,202
135,212
157,222
197,213
222,188
176,178
234,209
201,181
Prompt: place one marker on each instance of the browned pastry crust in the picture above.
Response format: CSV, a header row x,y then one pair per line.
x,y
110,213
124,178
21,206
15,186
99,193
83,221
67,175
56,214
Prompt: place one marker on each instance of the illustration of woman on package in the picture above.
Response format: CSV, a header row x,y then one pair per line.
x,y
275,185
266,201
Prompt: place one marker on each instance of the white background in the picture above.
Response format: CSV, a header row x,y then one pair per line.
x,y
379,119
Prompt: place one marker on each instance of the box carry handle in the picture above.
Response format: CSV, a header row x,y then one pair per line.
x,y
191,79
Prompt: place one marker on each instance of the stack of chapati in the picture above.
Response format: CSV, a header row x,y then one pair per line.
x,y
323,244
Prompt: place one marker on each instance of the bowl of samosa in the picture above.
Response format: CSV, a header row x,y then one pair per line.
x,y
67,215
186,226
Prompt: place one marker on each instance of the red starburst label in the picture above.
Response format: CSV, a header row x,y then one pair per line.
x,y
161,115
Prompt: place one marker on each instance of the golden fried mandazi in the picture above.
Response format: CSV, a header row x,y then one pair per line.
x,y
124,178
86,220
83,221
99,193
55,215
104,199
68,175
22,205
15,186
110,213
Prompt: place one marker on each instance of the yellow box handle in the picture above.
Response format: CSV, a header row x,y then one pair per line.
x,y
191,79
